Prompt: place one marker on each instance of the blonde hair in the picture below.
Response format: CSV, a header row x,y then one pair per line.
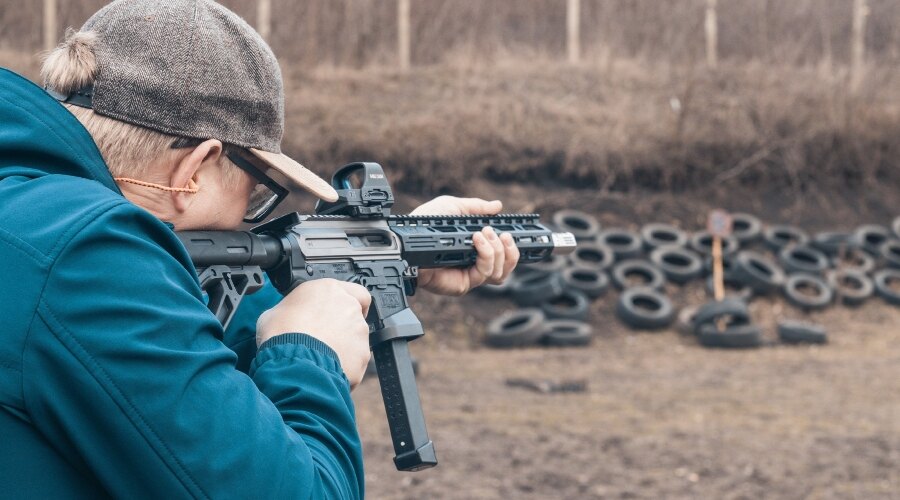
x,y
128,150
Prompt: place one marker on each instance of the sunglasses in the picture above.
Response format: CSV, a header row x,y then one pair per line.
x,y
267,193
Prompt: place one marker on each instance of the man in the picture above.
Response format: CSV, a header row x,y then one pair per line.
x,y
115,379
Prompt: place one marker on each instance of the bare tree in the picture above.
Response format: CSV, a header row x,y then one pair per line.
x,y
264,18
712,34
573,30
860,14
51,31
403,38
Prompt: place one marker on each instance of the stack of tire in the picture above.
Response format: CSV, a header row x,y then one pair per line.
x,y
811,272
554,296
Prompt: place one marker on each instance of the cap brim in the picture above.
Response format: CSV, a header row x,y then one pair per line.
x,y
296,173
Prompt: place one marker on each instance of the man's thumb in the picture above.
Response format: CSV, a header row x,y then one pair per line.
x,y
477,206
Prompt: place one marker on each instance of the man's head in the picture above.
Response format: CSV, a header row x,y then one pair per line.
x,y
185,102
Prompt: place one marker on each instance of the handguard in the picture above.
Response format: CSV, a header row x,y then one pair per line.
x,y
356,239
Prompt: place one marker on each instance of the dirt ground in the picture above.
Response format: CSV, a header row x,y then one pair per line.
x,y
661,417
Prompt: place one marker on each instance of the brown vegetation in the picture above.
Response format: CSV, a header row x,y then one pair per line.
x,y
364,32
612,128
642,112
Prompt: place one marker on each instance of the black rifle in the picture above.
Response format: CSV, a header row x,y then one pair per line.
x,y
356,239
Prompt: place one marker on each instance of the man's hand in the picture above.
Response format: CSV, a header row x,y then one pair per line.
x,y
497,254
330,310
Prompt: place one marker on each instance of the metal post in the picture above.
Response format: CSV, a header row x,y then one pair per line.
x,y
403,38
573,28
51,32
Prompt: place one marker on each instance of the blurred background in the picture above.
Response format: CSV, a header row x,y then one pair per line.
x,y
634,111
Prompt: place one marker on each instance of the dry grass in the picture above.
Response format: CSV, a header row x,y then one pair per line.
x,y
640,113
363,32
612,128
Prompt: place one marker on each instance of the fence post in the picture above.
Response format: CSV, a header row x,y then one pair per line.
x,y
573,30
712,34
51,32
264,18
860,14
403,34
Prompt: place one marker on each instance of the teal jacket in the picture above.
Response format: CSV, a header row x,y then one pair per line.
x,y
114,377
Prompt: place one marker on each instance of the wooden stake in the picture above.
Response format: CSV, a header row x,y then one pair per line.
x,y
51,32
712,34
403,36
719,225
718,269
573,30
264,18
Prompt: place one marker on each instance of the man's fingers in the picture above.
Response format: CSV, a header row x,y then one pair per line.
x,y
511,257
499,255
359,293
484,262
477,206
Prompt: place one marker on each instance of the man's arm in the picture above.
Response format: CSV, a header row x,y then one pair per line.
x,y
125,373
240,336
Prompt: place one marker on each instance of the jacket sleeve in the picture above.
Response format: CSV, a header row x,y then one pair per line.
x,y
127,376
240,336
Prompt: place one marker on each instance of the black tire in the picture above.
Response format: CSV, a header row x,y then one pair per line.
x,y
656,235
650,275
518,328
570,304
678,264
591,282
870,238
803,259
852,288
883,280
644,308
728,266
890,252
758,272
702,243
733,288
592,255
745,336
625,244
780,236
501,290
567,333
820,298
582,225
854,259
801,332
831,243
731,309
746,228
532,289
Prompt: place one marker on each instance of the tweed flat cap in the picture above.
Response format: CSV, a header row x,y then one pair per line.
x,y
193,68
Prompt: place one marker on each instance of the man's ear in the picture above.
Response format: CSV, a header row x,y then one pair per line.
x,y
189,170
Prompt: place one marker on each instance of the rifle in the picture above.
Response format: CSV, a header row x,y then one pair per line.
x,y
357,239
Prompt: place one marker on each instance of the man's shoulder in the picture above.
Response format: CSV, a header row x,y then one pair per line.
x,y
46,213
